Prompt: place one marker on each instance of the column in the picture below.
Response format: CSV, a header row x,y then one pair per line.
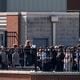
x,y
54,34
54,20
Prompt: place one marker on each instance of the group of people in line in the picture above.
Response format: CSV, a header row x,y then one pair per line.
x,y
55,58
59,58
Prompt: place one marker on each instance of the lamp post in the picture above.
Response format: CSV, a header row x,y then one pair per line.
x,y
54,20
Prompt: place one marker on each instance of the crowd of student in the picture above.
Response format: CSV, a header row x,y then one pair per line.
x,y
59,59
55,58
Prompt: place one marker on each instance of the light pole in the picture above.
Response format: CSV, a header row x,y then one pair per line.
x,y
54,20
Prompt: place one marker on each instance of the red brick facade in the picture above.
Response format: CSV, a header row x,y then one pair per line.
x,y
13,26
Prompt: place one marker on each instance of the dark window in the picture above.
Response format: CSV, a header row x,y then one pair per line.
x,y
40,42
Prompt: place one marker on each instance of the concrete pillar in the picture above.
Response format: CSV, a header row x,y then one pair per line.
x,y
54,20
54,34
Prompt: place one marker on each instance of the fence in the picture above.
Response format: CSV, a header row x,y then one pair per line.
x,y
12,38
47,59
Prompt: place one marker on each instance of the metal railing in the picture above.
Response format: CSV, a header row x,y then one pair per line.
x,y
40,59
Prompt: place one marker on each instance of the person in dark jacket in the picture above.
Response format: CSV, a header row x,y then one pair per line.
x,y
53,60
15,59
60,59
0,59
27,53
4,57
21,55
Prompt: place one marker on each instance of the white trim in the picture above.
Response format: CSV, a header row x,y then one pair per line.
x,y
37,73
39,13
8,13
54,13
2,28
3,21
12,13
3,24
3,18
24,13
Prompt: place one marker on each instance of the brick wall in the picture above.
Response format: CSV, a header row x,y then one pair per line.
x,y
13,26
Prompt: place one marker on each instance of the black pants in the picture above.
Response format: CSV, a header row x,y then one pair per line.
x,y
59,66
4,66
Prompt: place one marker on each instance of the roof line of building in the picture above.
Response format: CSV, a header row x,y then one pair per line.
x,y
38,13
